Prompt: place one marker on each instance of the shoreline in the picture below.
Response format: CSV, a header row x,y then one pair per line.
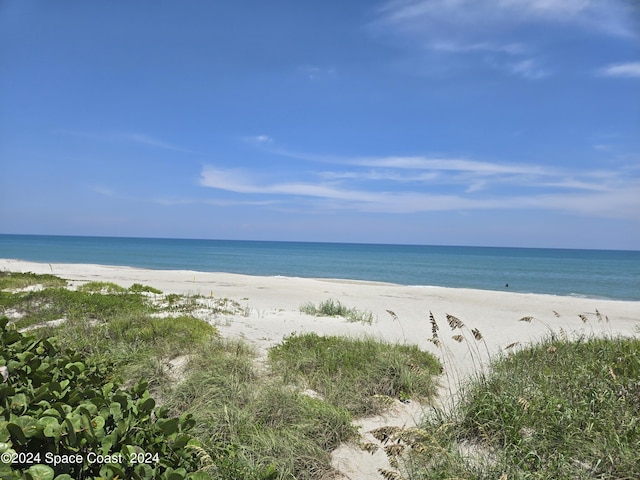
x,y
6,264
273,306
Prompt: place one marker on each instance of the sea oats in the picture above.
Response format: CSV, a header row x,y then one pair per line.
x,y
583,318
369,447
414,368
564,335
556,314
511,345
526,319
524,403
384,434
434,325
389,475
454,322
393,314
476,334
394,449
458,338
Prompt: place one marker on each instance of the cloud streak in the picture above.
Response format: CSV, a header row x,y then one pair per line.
x,y
136,138
399,184
464,19
623,70
494,30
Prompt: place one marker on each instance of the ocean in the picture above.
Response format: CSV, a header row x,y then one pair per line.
x,y
606,274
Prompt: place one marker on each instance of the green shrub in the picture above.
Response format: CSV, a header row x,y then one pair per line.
x,y
54,404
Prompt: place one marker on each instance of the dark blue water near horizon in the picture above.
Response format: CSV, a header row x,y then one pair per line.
x,y
609,274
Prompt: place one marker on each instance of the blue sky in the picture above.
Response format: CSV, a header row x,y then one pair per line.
x,y
455,122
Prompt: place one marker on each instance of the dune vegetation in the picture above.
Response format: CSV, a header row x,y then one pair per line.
x,y
152,374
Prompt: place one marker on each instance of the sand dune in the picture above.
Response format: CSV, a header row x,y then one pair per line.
x,y
273,313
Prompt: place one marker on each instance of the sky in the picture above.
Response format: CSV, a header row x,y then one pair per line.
x,y
436,122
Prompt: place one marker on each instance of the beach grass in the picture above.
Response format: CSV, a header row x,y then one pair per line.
x,y
18,280
559,409
354,373
268,423
333,308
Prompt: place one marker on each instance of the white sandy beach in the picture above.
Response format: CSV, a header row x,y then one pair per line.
x,y
273,304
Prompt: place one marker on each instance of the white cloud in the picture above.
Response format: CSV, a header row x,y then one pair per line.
x,y
450,164
529,69
406,184
138,138
497,32
154,142
314,72
471,186
627,70
261,139
455,47
482,19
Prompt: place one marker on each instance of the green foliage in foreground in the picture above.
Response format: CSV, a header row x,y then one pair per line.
x,y
352,373
54,406
333,308
561,409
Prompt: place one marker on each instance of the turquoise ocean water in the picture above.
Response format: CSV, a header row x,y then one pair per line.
x,y
589,273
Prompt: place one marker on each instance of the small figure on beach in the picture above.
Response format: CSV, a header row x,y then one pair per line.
x,y
506,286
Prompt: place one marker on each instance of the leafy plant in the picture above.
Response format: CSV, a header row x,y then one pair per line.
x,y
54,405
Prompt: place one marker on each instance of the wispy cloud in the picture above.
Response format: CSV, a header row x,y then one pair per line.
x,y
626,70
493,29
154,142
409,184
529,69
131,138
315,72
470,18
259,139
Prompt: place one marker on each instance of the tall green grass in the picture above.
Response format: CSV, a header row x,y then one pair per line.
x,y
271,424
559,409
333,308
16,280
352,373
